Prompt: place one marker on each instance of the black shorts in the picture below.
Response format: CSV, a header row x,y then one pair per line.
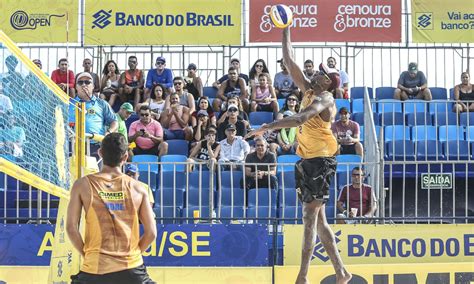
x,y
136,275
348,149
267,108
313,177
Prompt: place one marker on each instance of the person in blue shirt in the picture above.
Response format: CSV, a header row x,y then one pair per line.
x,y
160,75
100,118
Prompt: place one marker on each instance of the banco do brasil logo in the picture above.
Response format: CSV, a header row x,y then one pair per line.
x,y
319,250
20,20
101,19
424,21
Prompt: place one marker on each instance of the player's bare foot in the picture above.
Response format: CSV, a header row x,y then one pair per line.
x,y
343,278
301,280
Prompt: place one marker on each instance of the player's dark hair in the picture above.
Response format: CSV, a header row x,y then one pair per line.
x,y
113,147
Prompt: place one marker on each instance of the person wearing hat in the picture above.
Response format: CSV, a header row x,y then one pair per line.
x,y
343,90
131,170
332,74
64,77
283,83
234,148
160,75
193,83
232,119
125,111
131,82
347,134
412,84
203,123
206,150
234,62
203,104
287,138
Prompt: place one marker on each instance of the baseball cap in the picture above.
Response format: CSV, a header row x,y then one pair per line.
x,y
192,66
413,67
230,127
232,106
202,113
280,60
131,168
127,106
344,109
84,74
234,59
323,68
288,113
37,61
161,59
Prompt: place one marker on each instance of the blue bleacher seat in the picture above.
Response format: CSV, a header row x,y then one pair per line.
x,y
469,134
210,92
198,188
168,181
456,150
384,93
438,93
287,159
451,94
445,118
188,212
330,213
343,103
234,212
450,132
389,105
357,106
286,179
412,106
146,163
260,117
358,92
429,150
392,118
265,196
149,178
281,103
230,188
261,212
440,106
466,119
359,118
419,118
178,147
168,214
345,163
396,132
423,132
291,212
400,150
287,197
173,158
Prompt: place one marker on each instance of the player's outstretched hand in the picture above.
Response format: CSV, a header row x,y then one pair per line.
x,y
257,132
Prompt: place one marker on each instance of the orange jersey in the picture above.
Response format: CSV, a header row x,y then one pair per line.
x,y
112,227
315,138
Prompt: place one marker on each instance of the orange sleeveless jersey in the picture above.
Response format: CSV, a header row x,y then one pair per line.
x,y
315,138
112,227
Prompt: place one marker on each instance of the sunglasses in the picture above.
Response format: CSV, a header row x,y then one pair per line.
x,y
84,82
177,83
292,99
144,114
159,63
357,175
258,66
233,110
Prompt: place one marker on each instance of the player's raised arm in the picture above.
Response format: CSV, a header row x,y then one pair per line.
x,y
295,71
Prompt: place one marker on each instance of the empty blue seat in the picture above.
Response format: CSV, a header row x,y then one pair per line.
x,y
343,103
345,163
286,179
178,147
149,178
232,212
412,106
450,132
198,188
167,214
262,197
290,160
469,135
400,150
451,94
359,118
467,119
281,103
445,118
440,106
294,214
357,106
261,214
438,93
358,92
146,163
288,197
172,186
423,132
396,132
429,150
169,163
210,92
418,118
456,150
389,105
382,93
392,118
260,117
231,193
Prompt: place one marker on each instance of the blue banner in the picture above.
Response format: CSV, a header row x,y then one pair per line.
x,y
176,245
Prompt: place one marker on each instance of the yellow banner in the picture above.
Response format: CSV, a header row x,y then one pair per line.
x,y
442,21
369,244
179,22
40,21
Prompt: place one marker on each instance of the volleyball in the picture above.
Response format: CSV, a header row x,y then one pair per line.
x,y
281,16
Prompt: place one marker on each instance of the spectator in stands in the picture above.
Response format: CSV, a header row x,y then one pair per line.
x,y
234,62
131,170
99,114
5,103
132,82
206,150
202,124
412,84
12,137
193,83
258,68
333,75
38,63
343,89
463,92
110,82
87,64
64,78
242,114
264,174
347,134
147,134
232,119
287,138
234,148
309,71
263,96
185,99
175,120
284,85
203,104
291,104
160,75
155,102
356,200
232,87
12,80
126,110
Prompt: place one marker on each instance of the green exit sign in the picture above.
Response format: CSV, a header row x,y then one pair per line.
x,y
437,181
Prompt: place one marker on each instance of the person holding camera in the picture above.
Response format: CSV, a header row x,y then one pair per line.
x,y
147,134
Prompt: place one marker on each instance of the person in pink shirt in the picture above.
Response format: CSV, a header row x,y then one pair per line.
x,y
263,96
147,134
64,78
347,134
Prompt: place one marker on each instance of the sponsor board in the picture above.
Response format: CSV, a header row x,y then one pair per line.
x,y
368,244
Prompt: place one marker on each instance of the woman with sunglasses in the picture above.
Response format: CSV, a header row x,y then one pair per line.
x,y
203,104
291,104
156,103
258,68
242,114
